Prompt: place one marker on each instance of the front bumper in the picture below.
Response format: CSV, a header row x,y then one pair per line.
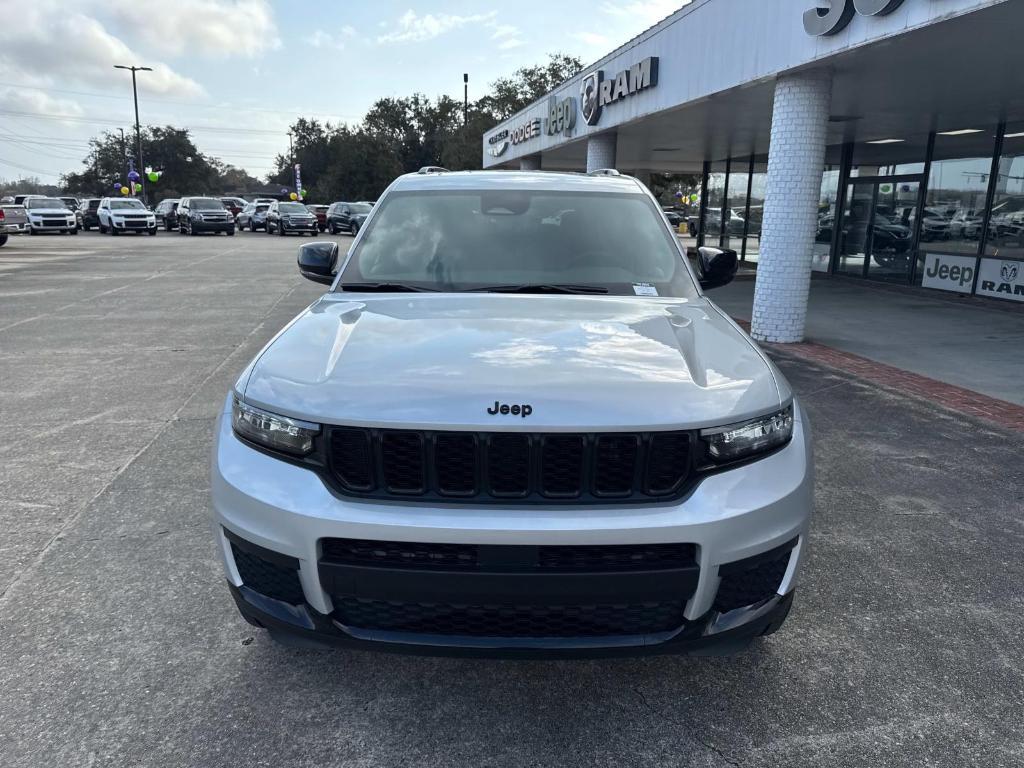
x,y
299,226
133,225
14,229
212,226
746,528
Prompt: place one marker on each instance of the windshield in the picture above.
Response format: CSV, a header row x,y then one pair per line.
x,y
116,205
360,207
261,208
44,202
472,240
293,208
206,204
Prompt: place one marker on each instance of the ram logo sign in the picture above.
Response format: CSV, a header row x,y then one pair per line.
x,y
1001,279
597,93
829,17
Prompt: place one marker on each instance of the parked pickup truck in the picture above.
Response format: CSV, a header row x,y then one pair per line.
x,y
13,221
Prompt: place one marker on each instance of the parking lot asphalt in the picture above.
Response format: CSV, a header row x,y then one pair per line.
x,y
120,646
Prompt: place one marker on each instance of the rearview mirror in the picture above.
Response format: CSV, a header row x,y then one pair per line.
x,y
716,266
318,260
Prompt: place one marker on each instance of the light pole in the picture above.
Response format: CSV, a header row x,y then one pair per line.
x,y
465,98
138,135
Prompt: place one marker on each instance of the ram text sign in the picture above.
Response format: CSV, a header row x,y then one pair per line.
x,y
597,93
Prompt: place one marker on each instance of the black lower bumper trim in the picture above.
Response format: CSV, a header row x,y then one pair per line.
x,y
303,624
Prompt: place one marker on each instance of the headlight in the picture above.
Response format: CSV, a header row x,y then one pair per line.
x,y
748,438
278,433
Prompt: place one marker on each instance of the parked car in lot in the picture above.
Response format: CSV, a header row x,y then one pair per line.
x,y
166,213
233,205
204,214
253,216
347,217
70,202
20,199
118,215
515,424
13,221
283,218
320,211
674,217
86,215
49,214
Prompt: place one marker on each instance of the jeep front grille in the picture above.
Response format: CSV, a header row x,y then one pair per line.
x,y
509,467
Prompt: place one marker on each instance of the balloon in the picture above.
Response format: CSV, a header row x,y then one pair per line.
x,y
293,196
124,190
694,197
133,175
117,185
153,176
284,191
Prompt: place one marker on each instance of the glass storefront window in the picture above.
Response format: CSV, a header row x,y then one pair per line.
x,y
901,158
712,224
826,215
757,188
736,204
957,187
1006,224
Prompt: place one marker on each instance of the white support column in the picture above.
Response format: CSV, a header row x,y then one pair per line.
x,y
529,163
796,160
601,151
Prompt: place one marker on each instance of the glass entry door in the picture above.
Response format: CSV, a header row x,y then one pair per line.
x,y
877,237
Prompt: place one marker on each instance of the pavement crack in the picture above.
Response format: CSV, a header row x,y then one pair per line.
x,y
687,729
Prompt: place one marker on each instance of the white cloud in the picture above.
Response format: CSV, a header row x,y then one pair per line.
x,y
321,39
593,39
412,27
214,28
503,30
77,50
512,42
646,12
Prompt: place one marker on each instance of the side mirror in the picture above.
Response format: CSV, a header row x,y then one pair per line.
x,y
716,266
317,261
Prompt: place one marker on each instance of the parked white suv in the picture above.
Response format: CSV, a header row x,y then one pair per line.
x,y
513,426
49,214
119,214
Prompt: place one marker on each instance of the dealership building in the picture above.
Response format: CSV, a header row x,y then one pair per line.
x,y
876,139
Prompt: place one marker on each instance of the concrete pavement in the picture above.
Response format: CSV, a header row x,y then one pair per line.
x,y
964,342
119,644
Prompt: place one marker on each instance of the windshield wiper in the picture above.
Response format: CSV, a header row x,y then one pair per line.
x,y
539,288
384,288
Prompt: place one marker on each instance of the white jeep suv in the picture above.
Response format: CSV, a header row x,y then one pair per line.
x,y
513,426
118,214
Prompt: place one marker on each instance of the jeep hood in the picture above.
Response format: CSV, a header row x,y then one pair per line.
x,y
581,362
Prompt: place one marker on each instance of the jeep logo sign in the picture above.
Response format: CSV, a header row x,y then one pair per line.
x,y
596,92
830,17
949,273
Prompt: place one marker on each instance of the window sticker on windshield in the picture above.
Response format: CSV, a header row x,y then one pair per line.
x,y
644,289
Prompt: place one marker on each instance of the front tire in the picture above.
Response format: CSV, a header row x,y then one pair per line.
x,y
152,232
230,233
252,226
32,231
73,231
280,230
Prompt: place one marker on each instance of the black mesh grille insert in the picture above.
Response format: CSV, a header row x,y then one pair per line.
x,y
351,457
508,464
615,464
669,462
455,462
402,554
569,557
488,620
617,557
509,467
267,578
402,461
562,465
751,585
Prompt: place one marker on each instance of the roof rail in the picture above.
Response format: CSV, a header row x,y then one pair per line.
x,y
603,172
432,169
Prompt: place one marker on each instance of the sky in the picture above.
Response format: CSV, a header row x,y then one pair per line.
x,y
238,72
